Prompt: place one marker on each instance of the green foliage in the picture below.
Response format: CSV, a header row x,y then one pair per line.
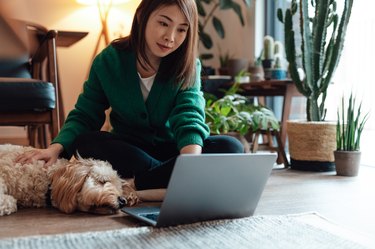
x,y
234,113
349,125
207,10
322,40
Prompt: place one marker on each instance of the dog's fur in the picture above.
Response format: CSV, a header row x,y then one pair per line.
x,y
78,185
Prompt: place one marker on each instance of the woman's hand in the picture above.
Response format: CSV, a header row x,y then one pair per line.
x,y
48,155
191,149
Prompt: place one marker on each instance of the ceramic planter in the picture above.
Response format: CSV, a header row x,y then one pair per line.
x,y
347,162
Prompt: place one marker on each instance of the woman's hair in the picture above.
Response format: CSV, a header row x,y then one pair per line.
x,y
181,63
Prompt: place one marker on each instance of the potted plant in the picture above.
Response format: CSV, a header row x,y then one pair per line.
x,y
322,34
224,63
349,127
256,69
233,114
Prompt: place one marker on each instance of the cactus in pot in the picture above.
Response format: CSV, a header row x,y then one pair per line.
x,y
322,41
268,51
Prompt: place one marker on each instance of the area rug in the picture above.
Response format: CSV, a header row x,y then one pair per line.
x,y
290,231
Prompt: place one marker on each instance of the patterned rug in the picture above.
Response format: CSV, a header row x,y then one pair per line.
x,y
290,231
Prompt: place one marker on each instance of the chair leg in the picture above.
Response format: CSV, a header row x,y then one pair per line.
x,y
32,135
42,136
268,144
281,151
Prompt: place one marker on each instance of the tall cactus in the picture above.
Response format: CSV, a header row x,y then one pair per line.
x,y
322,41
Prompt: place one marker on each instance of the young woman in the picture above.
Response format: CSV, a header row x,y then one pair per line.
x,y
151,81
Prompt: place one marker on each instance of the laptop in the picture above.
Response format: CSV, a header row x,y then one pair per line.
x,y
209,186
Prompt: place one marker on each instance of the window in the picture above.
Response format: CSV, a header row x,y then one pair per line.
x,y
355,71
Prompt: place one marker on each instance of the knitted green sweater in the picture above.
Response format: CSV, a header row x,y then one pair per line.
x,y
168,115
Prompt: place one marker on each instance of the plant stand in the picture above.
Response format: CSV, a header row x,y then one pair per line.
x,y
268,144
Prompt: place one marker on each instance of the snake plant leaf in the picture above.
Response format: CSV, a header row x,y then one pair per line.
x,y
218,25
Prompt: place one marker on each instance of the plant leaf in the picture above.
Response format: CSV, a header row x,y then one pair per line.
x,y
218,25
206,40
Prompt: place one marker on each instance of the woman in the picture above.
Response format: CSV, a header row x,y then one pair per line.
x,y
151,81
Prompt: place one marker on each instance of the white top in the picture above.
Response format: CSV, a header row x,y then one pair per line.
x,y
146,84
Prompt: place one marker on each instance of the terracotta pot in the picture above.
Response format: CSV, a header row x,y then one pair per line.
x,y
347,162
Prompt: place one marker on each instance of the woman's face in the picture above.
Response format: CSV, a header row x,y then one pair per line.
x,y
166,30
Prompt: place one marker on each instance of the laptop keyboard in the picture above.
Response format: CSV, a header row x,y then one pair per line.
x,y
151,216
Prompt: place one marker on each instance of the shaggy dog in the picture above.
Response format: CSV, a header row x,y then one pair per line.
x,y
78,185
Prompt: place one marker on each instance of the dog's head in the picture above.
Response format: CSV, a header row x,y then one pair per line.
x,y
86,185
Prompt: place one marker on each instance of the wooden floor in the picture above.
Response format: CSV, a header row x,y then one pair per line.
x,y
347,201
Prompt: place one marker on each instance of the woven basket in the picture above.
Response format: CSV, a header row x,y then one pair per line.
x,y
311,141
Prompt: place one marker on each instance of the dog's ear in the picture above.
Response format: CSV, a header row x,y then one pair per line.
x,y
66,183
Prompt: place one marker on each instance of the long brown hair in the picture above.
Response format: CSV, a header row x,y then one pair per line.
x,y
180,64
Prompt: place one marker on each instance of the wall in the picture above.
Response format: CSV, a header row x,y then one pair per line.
x,y
238,41
75,61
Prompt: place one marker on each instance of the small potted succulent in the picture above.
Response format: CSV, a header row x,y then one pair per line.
x,y
350,124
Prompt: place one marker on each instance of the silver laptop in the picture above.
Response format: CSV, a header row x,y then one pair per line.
x,y
210,186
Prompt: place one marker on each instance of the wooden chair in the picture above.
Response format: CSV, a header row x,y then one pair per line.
x,y
29,92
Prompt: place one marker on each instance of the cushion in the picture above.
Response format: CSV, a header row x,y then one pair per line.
x,y
21,94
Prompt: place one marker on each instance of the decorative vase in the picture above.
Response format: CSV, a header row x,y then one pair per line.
x,y
311,145
347,162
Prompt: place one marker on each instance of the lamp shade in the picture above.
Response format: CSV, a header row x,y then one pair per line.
x,y
104,2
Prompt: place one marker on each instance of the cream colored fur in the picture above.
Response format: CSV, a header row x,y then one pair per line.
x,y
79,185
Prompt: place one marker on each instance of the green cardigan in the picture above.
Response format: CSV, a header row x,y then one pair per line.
x,y
168,115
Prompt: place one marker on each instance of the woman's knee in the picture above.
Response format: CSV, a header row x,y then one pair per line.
x,y
223,144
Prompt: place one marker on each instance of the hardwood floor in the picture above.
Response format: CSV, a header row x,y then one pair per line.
x,y
347,201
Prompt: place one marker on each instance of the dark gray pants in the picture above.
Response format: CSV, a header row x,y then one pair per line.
x,y
151,166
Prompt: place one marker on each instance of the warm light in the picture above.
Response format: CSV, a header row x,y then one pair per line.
x,y
104,2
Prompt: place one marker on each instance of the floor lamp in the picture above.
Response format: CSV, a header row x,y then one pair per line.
x,y
104,6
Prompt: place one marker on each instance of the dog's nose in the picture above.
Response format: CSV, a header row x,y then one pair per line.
x,y
121,201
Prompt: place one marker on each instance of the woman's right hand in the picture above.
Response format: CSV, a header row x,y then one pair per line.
x,y
48,155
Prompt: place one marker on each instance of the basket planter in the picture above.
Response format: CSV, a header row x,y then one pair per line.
x,y
311,145
347,162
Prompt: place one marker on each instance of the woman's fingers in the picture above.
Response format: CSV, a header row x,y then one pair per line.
x,y
28,157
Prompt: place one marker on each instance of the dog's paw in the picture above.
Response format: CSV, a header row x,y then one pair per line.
x,y
132,199
129,192
8,205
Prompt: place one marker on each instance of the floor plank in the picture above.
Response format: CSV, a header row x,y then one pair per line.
x,y
347,201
